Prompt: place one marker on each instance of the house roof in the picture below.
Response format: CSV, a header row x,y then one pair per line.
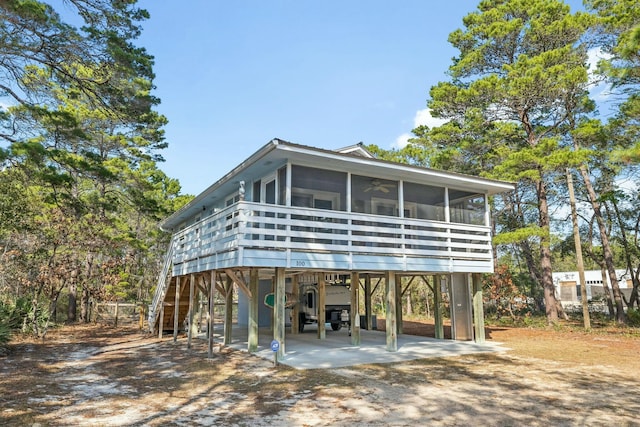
x,y
355,159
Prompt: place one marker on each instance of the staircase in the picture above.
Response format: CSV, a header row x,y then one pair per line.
x,y
166,322
164,283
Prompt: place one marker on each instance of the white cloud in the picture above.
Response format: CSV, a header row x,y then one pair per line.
x,y
422,117
5,105
593,57
599,90
402,140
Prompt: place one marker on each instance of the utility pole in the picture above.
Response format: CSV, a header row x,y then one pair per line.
x,y
579,262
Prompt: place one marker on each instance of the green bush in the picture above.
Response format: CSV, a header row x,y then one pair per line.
x,y
12,314
633,317
5,328
5,335
15,315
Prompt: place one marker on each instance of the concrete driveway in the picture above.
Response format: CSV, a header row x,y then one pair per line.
x,y
306,351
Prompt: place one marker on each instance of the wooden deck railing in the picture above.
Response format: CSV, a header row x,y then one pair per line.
x,y
249,225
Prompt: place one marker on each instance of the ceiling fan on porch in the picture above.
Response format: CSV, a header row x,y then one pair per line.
x,y
377,185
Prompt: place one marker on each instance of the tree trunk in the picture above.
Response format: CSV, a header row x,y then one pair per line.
x,y
54,313
578,245
605,288
84,305
606,247
627,255
525,247
72,308
428,306
635,295
85,314
534,273
550,301
527,252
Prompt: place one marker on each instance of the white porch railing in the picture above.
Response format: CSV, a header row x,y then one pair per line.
x,y
249,225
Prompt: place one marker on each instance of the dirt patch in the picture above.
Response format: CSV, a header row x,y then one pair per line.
x,y
93,375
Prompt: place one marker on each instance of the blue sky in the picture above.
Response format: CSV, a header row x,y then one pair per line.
x,y
232,75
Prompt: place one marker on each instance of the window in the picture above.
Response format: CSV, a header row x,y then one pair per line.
x,y
270,192
324,204
302,200
232,200
310,299
384,207
256,191
318,199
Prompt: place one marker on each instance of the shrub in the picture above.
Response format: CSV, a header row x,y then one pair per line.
x,y
5,329
18,315
633,317
503,297
5,334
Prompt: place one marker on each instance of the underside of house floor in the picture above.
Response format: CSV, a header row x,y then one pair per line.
x,y
306,351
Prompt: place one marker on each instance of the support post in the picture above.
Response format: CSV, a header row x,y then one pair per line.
x,y
391,326
478,309
355,308
115,318
322,312
253,311
212,303
437,306
161,321
192,286
228,311
201,292
278,311
176,309
295,310
399,304
272,312
367,302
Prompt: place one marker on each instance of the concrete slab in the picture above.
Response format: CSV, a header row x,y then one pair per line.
x,y
306,351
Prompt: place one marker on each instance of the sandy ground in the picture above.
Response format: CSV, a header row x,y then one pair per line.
x,y
93,376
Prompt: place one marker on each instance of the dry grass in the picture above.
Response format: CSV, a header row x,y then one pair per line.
x,y
606,345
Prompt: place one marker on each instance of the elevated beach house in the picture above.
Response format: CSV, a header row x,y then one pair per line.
x,y
292,214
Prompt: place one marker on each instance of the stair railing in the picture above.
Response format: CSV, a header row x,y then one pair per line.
x,y
161,288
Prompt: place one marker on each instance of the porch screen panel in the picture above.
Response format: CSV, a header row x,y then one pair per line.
x,y
466,207
318,188
423,201
374,195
